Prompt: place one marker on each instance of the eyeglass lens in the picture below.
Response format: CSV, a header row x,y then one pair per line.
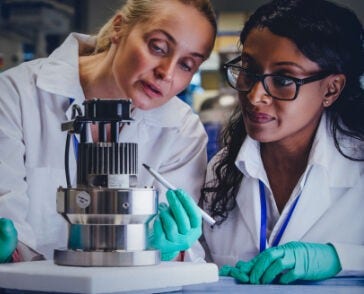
x,y
277,86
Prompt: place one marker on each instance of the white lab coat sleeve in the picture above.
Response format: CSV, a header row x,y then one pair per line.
x,y
14,201
199,252
186,166
351,259
195,254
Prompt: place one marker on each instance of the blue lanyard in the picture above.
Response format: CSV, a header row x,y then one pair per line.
x,y
75,145
74,138
263,219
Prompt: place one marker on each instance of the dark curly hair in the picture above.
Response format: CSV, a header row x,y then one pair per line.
x,y
329,35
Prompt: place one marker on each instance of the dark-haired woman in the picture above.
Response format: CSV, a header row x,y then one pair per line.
x,y
288,188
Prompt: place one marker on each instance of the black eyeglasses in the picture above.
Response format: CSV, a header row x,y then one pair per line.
x,y
279,87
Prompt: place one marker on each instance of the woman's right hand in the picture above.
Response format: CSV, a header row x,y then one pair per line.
x,y
8,239
177,226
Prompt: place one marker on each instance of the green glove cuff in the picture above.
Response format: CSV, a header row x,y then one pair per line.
x,y
167,256
335,259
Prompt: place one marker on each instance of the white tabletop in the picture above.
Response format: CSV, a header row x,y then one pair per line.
x,y
45,276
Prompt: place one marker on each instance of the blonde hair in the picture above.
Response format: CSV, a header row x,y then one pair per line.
x,y
142,11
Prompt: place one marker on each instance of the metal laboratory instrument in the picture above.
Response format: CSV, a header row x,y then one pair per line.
x,y
108,215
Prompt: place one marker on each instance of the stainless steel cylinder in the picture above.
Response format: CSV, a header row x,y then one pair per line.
x,y
108,216
107,206
108,227
104,258
130,237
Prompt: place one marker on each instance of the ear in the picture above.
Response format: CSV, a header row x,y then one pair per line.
x,y
116,23
335,85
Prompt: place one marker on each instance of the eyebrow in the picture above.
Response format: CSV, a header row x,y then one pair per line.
x,y
290,63
173,40
280,63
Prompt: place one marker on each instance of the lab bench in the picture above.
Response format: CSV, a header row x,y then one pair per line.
x,y
168,277
342,285
347,285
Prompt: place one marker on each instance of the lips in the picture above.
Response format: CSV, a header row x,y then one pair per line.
x,y
151,90
259,117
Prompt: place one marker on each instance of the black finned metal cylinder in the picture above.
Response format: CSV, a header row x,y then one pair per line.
x,y
104,163
106,158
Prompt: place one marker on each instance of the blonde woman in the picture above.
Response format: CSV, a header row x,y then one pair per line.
x,y
147,52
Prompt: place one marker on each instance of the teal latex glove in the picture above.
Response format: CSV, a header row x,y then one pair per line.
x,y
241,271
296,260
176,226
291,261
8,239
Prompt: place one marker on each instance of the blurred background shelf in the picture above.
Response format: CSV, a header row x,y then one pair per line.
x,y
34,28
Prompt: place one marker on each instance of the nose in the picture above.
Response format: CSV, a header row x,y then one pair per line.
x,y
165,70
258,94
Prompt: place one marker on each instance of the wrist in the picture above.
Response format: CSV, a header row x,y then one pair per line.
x,y
16,256
336,258
181,256
169,256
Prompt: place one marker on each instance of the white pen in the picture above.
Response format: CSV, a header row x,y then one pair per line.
x,y
168,185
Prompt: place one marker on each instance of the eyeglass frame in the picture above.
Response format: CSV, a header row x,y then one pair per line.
x,y
261,78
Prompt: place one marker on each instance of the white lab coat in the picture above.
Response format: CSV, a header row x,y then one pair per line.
x,y
330,209
34,101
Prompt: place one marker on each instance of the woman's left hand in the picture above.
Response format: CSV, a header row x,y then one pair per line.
x,y
289,262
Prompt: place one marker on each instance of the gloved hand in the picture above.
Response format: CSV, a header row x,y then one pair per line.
x,y
293,261
176,226
8,239
241,271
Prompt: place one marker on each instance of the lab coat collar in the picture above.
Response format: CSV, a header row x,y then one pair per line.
x,y
325,164
249,162
324,153
60,73
171,114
